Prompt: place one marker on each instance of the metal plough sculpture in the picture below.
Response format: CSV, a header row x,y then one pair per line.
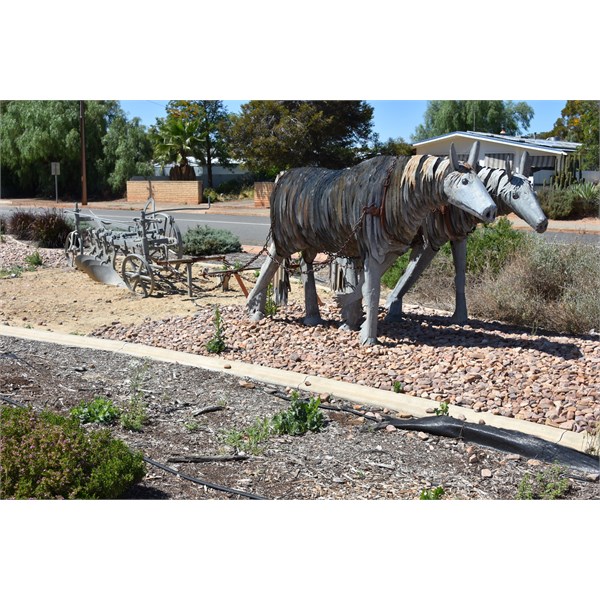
x,y
370,212
511,192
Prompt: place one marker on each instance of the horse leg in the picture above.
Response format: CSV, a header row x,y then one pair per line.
x,y
313,315
371,291
420,258
350,300
257,299
459,255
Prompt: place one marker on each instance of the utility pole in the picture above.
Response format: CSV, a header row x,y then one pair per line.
x,y
82,135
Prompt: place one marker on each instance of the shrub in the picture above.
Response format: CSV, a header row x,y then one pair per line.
x,y
586,197
20,222
3,226
99,410
47,456
209,194
556,203
204,241
552,286
549,484
489,247
50,229
299,418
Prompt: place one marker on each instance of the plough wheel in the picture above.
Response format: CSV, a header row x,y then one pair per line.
x,y
137,275
72,247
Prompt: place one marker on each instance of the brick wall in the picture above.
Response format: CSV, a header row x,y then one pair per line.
x,y
176,192
262,194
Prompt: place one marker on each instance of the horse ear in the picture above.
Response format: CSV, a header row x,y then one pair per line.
x,y
507,168
453,157
474,155
525,166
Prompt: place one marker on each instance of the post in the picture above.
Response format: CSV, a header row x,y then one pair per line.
x,y
82,135
55,170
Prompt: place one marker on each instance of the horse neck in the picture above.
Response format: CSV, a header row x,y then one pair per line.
x,y
414,192
495,181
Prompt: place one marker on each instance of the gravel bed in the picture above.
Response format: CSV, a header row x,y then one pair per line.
x,y
544,378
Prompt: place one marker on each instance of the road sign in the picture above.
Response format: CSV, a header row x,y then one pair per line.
x,y
55,168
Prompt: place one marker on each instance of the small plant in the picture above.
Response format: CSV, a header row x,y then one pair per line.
x,y
397,387
549,484
217,344
250,439
301,417
46,455
11,272
135,415
192,426
270,306
442,411
34,260
99,410
298,419
592,441
432,493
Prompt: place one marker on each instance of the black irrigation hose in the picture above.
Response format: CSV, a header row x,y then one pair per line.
x,y
154,463
213,486
504,440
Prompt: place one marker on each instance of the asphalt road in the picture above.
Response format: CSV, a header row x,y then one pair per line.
x,y
251,231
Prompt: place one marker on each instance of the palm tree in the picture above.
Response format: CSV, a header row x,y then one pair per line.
x,y
175,140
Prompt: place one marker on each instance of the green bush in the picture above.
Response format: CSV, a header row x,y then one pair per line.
x,y
50,229
45,455
549,286
586,198
557,203
34,259
299,418
3,225
489,248
20,222
205,241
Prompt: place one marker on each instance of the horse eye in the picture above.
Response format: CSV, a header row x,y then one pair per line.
x,y
516,195
465,181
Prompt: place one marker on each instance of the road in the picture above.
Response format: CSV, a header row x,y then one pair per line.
x,y
252,231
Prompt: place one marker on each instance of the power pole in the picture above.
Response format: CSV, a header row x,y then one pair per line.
x,y
82,135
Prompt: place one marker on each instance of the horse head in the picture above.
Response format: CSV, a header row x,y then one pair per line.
x,y
517,193
465,190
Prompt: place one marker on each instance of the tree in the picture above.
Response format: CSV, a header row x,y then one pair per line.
x,y
489,116
34,133
273,135
127,151
579,122
392,147
192,128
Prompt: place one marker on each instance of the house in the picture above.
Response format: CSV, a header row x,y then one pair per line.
x,y
220,174
547,156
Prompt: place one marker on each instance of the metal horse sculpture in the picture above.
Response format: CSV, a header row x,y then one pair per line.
x,y
370,212
512,192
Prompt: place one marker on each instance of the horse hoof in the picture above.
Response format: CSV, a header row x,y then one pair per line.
x,y
370,341
313,321
393,318
458,320
257,316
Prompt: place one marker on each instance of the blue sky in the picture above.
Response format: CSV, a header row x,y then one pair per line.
x,y
392,118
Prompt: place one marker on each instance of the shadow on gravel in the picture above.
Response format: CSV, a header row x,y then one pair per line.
x,y
438,332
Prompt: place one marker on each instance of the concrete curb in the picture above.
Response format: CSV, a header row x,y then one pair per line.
x,y
401,403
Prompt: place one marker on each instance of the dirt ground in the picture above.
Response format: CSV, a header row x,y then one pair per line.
x,y
190,411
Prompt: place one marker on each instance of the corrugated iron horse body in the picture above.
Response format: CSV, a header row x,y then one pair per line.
x,y
370,212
